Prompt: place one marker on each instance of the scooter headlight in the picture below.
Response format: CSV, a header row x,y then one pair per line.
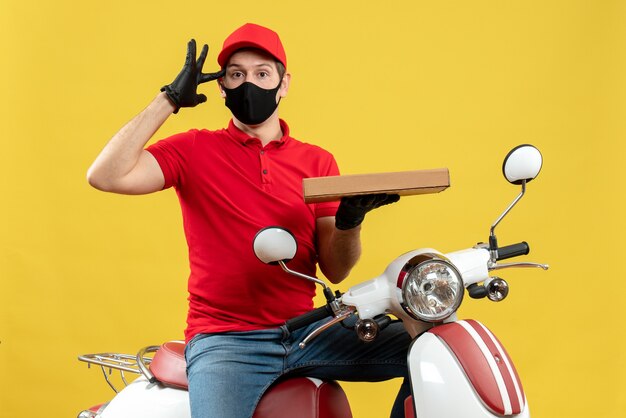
x,y
432,290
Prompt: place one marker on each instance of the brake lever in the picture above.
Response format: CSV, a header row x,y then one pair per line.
x,y
317,331
494,266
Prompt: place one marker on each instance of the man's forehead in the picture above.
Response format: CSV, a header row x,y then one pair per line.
x,y
251,58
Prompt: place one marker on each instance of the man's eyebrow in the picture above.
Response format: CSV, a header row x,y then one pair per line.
x,y
264,64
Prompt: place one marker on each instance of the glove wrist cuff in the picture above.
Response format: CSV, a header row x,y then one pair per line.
x,y
344,225
172,96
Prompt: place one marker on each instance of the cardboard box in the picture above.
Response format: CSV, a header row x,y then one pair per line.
x,y
404,183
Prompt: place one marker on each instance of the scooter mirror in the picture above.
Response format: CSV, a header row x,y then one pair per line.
x,y
522,163
274,244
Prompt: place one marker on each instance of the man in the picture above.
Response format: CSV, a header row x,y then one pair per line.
x,y
231,183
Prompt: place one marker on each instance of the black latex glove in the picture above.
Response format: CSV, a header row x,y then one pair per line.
x,y
182,91
352,209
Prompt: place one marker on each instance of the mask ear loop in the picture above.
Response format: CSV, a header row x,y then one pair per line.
x,y
280,83
279,97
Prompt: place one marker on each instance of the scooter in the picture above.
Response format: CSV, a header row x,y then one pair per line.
x,y
457,368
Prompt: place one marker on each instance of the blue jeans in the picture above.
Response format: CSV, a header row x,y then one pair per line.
x,y
229,372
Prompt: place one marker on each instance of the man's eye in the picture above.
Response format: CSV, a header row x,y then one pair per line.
x,y
263,74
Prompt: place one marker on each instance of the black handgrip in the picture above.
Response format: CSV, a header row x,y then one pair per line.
x,y
308,318
513,250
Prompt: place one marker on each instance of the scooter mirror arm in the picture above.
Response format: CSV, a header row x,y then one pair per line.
x,y
330,297
303,276
493,241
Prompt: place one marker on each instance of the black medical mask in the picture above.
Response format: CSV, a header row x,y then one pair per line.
x,y
250,103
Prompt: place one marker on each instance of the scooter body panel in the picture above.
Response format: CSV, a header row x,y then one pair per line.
x,y
437,375
141,399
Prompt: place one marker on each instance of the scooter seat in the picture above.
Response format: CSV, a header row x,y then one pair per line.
x,y
169,365
304,397
293,397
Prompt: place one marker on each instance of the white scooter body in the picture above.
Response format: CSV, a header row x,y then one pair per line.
x,y
144,399
441,387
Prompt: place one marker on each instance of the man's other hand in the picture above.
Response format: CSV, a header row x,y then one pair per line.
x,y
352,210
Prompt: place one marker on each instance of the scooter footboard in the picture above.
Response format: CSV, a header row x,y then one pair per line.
x,y
461,369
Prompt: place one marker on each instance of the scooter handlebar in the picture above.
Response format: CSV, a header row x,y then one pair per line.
x,y
308,318
513,250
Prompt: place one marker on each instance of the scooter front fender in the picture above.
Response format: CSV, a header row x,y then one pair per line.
x,y
455,372
141,399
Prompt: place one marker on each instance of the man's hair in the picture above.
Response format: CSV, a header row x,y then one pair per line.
x,y
281,69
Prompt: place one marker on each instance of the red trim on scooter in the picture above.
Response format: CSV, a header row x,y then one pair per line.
x,y
480,372
501,357
401,278
408,407
97,408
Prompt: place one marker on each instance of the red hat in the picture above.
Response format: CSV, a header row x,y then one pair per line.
x,y
253,36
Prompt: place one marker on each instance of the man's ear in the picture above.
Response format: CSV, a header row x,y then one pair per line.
x,y
284,85
221,87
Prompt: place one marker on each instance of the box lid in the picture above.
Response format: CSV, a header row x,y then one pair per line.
x,y
404,183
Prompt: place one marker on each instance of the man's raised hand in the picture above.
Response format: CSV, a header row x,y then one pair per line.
x,y
182,92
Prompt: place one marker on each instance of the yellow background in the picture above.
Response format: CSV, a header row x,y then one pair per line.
x,y
385,86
